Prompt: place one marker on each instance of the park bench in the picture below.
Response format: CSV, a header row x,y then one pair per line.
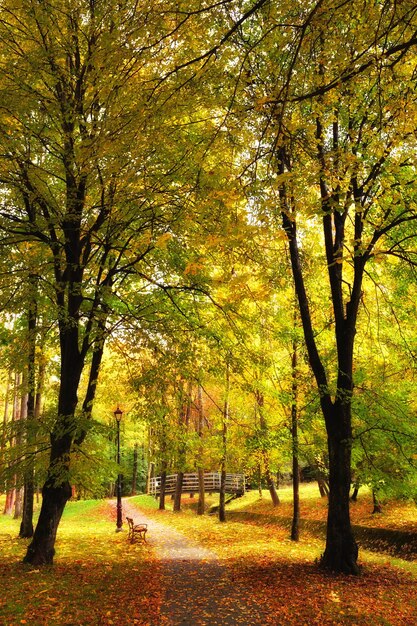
x,y
136,530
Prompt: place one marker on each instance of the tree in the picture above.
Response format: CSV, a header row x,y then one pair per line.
x,y
334,89
77,173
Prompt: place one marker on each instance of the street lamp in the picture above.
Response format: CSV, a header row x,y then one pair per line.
x,y
119,523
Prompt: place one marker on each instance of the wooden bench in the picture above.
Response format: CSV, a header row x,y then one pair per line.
x,y
136,530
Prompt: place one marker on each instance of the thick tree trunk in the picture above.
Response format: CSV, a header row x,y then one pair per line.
x,y
57,490
42,548
341,551
178,491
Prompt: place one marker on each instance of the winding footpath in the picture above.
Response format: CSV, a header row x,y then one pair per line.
x,y
198,589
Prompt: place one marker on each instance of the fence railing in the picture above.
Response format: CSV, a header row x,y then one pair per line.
x,y
235,483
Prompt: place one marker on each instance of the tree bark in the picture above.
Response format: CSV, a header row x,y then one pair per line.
x,y
135,469
377,505
162,487
57,489
295,527
341,551
41,550
265,452
26,526
178,491
223,462
184,421
200,469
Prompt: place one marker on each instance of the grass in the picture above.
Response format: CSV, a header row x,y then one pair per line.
x,y
98,577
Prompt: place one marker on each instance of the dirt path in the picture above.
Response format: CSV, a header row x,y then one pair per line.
x,y
198,589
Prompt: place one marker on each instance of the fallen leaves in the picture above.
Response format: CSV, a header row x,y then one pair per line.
x,y
97,578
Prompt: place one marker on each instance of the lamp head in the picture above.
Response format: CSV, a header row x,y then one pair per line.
x,y
118,414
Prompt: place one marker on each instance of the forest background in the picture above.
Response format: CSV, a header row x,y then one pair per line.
x,y
207,218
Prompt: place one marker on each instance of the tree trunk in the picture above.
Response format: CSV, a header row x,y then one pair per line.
x,y
295,528
271,486
135,469
222,495
341,551
260,481
162,488
200,470
201,492
11,483
223,463
355,492
323,487
26,526
9,504
41,550
57,490
178,491
184,420
377,505
265,452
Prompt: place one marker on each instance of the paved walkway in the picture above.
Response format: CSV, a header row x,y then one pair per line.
x,y
199,589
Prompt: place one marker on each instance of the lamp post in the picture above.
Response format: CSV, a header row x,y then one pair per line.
x,y
119,523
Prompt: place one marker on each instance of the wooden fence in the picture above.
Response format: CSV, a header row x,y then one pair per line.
x,y
235,483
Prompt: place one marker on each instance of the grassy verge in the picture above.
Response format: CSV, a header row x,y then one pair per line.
x,y
98,577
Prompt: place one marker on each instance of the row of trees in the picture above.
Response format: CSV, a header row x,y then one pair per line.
x,y
163,164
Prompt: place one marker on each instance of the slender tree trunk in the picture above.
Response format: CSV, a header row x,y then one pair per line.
x,y
5,413
162,486
20,437
184,422
355,492
259,408
9,504
11,483
260,494
4,430
135,469
200,469
26,526
377,505
223,463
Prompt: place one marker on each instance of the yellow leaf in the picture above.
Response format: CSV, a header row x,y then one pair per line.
x,y
162,240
